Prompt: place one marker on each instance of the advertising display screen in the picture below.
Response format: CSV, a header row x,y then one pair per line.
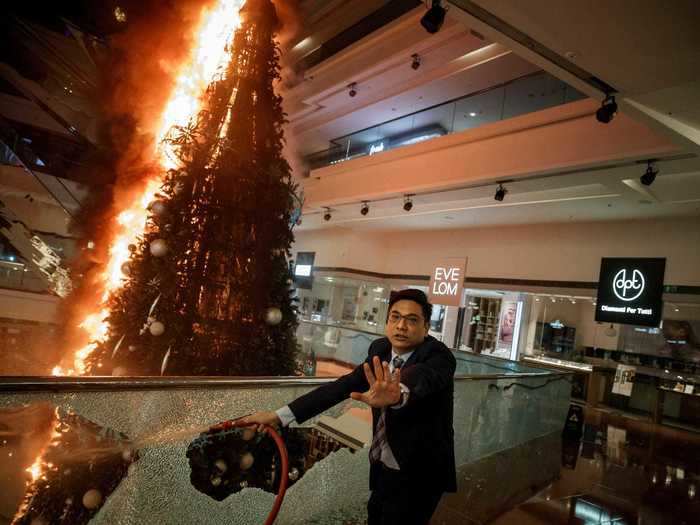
x,y
303,276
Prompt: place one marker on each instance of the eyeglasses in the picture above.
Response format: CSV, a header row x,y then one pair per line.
x,y
411,320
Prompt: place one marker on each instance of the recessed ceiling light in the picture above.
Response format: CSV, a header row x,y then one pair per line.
x,y
472,114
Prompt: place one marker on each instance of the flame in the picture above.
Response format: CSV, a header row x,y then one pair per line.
x,y
214,36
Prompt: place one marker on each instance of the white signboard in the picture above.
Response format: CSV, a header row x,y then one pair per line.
x,y
624,380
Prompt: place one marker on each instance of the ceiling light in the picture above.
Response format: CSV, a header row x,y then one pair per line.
x,y
352,89
365,208
606,112
327,215
500,193
649,175
472,114
415,64
407,202
432,20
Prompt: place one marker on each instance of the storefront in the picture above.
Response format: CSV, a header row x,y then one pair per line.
x,y
650,370
491,322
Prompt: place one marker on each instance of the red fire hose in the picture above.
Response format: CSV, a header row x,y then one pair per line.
x,y
284,480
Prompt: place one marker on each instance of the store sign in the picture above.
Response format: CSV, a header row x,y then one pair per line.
x,y
447,282
630,291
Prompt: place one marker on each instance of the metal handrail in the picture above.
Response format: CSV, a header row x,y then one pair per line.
x,y
11,384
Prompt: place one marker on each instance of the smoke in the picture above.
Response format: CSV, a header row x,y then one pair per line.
x,y
289,13
136,82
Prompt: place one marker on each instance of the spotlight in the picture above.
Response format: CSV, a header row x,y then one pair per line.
x,y
606,112
649,175
365,208
432,20
352,89
407,203
416,61
327,215
500,193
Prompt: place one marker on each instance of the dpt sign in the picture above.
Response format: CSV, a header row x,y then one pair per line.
x,y
447,282
630,291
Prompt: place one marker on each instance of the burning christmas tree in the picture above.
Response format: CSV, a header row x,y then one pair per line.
x,y
206,289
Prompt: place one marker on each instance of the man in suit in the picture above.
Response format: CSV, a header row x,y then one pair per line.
x,y
407,379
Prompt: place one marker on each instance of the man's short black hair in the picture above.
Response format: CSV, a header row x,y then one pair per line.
x,y
411,294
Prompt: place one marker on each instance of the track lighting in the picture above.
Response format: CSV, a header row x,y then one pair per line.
x,y
415,64
432,20
327,215
407,202
500,193
649,175
606,112
365,208
352,89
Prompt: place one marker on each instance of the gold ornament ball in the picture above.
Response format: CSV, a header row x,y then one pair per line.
x,y
273,316
157,328
158,248
215,480
126,269
246,461
92,499
221,465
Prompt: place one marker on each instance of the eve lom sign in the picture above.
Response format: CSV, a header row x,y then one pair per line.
x,y
447,281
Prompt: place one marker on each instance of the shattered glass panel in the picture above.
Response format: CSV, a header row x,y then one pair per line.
x,y
144,436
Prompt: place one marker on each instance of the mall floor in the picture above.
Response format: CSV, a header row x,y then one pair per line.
x,y
621,471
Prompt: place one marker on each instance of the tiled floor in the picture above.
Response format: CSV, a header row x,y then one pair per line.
x,y
621,471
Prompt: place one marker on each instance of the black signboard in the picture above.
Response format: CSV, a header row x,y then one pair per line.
x,y
630,291
303,270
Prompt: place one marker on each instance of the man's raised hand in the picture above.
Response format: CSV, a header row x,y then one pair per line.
x,y
384,389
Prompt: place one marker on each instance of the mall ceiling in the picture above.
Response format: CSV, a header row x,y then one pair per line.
x,y
648,52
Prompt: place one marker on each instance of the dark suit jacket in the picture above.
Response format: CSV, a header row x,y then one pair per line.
x,y
420,433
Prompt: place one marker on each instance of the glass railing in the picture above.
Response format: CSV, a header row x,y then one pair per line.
x,y
330,350
130,450
18,276
527,94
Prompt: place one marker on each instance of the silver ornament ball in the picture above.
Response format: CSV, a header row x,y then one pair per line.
x,y
158,208
158,248
246,461
92,499
273,316
157,328
221,465
126,269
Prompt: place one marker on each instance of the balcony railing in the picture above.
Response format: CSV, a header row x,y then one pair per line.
x,y
526,94
114,450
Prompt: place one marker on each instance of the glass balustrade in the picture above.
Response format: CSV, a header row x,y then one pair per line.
x,y
115,450
533,92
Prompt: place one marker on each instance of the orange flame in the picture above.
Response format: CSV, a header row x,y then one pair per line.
x,y
214,36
